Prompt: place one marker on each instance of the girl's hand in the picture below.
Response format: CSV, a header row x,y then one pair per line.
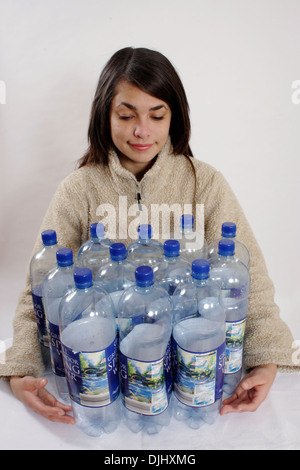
x,y
251,391
32,393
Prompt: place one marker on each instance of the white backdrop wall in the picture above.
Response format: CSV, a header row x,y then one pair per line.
x,y
239,61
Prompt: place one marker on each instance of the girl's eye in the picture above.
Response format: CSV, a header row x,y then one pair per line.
x,y
158,118
125,118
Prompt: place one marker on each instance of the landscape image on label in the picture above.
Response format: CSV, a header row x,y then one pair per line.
x,y
146,387
95,388
196,377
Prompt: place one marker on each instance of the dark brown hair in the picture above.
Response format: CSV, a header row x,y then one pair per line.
x,y
153,73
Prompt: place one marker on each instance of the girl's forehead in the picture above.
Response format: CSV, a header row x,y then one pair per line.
x,y
132,97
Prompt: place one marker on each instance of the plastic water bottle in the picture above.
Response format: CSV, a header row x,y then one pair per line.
x,y
198,348
234,280
192,244
56,284
94,253
173,270
89,344
146,250
41,263
117,275
145,326
241,251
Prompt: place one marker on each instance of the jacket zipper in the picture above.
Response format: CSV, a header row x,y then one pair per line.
x,y
139,196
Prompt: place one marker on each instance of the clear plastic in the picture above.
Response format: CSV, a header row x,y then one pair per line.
x,y
145,326
241,251
192,243
146,250
56,284
41,263
117,275
198,348
173,269
94,253
233,278
89,344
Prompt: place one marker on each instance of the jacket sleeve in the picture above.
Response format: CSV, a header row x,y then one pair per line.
x,y
267,337
67,215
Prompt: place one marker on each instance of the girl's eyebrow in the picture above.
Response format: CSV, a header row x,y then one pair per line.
x,y
133,108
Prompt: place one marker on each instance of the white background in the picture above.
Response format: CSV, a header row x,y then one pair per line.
x,y
238,60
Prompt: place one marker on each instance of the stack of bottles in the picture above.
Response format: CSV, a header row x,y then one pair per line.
x,y
199,348
145,335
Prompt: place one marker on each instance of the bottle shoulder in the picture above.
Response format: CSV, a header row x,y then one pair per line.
x,y
115,269
136,300
89,301
91,245
148,243
59,275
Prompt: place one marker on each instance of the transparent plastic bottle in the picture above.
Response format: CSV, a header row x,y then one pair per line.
x,y
233,278
94,253
117,275
56,284
198,348
146,250
241,251
192,244
173,270
41,263
145,326
89,344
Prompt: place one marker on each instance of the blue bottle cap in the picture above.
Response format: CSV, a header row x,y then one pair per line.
x,y
49,237
83,278
97,230
144,276
226,247
228,229
145,231
117,251
171,248
200,269
64,257
187,221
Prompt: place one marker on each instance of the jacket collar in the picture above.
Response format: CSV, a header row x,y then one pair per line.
x,y
156,177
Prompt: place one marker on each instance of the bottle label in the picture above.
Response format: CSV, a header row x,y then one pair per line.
x,y
55,349
198,377
40,319
146,386
235,331
92,377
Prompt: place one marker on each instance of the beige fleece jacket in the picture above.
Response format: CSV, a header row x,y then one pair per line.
x,y
79,201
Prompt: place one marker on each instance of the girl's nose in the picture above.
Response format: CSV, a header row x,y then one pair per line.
x,y
141,130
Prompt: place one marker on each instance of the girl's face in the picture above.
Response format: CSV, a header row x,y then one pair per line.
x,y
139,126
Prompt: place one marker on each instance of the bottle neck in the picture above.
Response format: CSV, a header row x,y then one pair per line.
x,y
171,259
226,257
50,247
144,289
97,240
69,267
199,282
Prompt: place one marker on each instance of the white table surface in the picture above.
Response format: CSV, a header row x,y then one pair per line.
x,y
275,425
